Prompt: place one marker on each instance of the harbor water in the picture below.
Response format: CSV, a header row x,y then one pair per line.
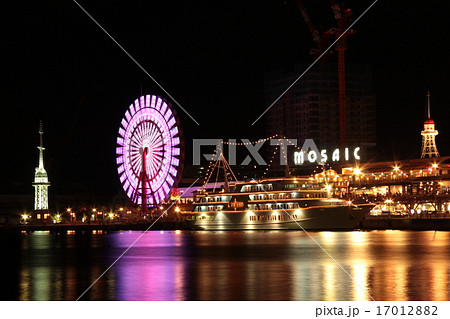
x,y
230,265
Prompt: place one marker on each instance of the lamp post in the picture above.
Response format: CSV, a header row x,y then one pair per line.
x,y
94,210
435,167
69,212
25,218
121,214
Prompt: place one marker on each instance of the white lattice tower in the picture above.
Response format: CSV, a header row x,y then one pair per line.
x,y
41,182
429,148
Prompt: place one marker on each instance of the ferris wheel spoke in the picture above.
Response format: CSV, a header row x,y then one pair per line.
x,y
158,143
135,143
152,172
159,147
154,165
136,163
157,154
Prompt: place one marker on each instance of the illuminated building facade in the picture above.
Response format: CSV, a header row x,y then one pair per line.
x,y
407,186
41,182
429,148
310,109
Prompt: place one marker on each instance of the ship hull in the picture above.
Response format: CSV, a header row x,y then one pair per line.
x,y
345,217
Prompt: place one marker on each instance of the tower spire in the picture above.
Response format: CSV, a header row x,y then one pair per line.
x,y
41,182
428,95
41,131
41,147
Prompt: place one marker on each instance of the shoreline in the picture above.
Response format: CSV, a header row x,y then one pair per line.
x,y
164,225
384,223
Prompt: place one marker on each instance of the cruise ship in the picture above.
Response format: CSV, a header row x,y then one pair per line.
x,y
276,203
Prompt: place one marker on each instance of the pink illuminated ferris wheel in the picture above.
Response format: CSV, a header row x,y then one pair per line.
x,y
149,151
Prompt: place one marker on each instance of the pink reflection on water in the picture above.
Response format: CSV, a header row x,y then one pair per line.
x,y
149,271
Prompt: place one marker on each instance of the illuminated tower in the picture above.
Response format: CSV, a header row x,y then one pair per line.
x,y
41,182
429,148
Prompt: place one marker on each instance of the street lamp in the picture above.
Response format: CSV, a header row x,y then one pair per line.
x,y
25,218
69,212
57,218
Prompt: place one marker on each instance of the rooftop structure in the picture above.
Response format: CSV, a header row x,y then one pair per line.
x,y
429,148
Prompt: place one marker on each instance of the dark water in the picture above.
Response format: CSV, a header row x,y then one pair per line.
x,y
266,265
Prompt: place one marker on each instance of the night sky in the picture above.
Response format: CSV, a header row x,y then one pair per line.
x,y
211,56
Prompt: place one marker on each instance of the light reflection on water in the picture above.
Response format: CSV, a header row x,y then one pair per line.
x,y
256,265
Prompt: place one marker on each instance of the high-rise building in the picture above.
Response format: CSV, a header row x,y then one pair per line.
x,y
310,109
41,182
429,148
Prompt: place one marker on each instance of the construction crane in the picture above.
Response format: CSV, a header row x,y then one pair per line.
x,y
322,40
344,19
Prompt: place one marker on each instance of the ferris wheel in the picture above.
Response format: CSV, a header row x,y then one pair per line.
x,y
149,154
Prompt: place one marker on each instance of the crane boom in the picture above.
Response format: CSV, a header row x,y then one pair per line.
x,y
314,32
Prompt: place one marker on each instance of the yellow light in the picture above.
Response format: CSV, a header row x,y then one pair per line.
x,y
357,171
25,216
69,210
94,210
434,165
111,215
177,209
121,208
161,207
396,168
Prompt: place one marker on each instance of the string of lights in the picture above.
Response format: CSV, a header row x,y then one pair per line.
x,y
270,162
262,140
213,164
209,171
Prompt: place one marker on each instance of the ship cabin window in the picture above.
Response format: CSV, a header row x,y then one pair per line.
x,y
257,188
256,197
292,186
203,217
